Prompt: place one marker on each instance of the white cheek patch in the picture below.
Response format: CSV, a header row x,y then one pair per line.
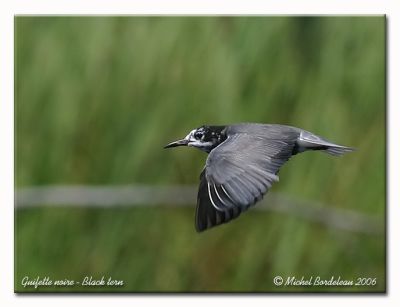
x,y
197,143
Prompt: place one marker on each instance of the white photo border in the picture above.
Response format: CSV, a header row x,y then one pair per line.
x,y
8,9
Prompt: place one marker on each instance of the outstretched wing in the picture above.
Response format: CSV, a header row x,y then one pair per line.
x,y
237,175
206,214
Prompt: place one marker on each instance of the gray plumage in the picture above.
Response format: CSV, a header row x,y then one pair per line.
x,y
243,163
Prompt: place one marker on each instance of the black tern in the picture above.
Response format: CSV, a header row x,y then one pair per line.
x,y
242,164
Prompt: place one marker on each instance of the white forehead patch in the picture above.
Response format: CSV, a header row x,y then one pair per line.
x,y
190,136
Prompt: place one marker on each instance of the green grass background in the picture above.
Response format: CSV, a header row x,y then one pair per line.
x,y
98,97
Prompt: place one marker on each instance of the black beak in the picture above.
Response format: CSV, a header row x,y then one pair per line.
x,y
183,142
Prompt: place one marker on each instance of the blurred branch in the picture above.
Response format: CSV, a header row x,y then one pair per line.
x,y
138,195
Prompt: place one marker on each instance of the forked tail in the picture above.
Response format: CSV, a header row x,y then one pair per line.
x,y
309,141
338,150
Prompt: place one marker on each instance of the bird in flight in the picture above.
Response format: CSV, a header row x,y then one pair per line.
x,y
242,164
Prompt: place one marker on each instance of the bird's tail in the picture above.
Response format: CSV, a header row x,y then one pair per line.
x,y
310,141
337,150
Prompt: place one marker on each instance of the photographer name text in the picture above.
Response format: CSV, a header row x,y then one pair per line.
x,y
333,281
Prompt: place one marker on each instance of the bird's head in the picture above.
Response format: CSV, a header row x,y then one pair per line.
x,y
205,138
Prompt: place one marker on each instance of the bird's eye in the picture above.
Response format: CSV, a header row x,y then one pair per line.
x,y
198,135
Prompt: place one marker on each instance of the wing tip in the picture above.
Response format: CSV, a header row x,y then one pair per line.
x,y
199,227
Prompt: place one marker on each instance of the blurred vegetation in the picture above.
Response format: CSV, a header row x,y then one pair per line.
x,y
98,97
